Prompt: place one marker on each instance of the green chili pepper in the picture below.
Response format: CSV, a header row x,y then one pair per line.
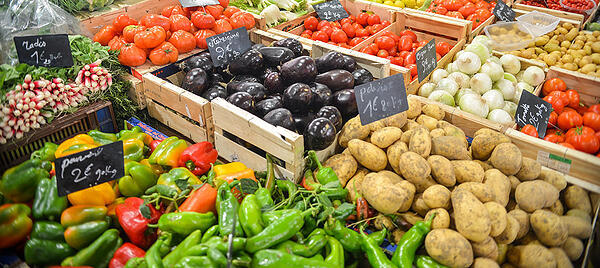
x,y
299,205
280,230
428,262
212,231
271,216
317,257
227,207
250,217
220,244
97,254
375,255
154,254
174,256
379,236
324,175
336,252
338,193
184,223
136,263
312,246
263,197
195,261
269,258
287,186
404,255
349,238
270,182
217,257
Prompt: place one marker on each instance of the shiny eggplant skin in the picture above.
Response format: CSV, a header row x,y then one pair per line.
x,y
257,90
345,101
319,134
302,69
251,62
243,100
273,83
297,98
333,114
362,76
236,81
321,95
263,107
215,91
275,56
293,44
336,79
280,117
195,81
301,121
330,61
203,62
349,63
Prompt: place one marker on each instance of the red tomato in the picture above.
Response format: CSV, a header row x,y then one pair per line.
x,y
242,19
581,109
311,23
131,55
322,24
164,54
552,120
383,53
362,18
201,36
386,23
442,47
151,20
373,19
116,43
122,21
350,31
410,58
568,145
183,41
362,32
224,3
376,28
180,22
405,43
476,19
410,33
397,61
453,5
306,35
569,119
229,11
585,142
483,13
335,24
557,103
344,45
221,26
320,36
592,120
482,5
328,30
582,129
530,130
355,41
455,14
385,42
392,35
468,9
413,69
105,34
553,138
573,97
554,84
307,32
214,10
342,21
594,108
440,10
203,20
339,36
150,38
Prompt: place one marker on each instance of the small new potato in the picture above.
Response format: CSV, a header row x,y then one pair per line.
x,y
384,137
577,197
441,219
368,155
442,170
437,196
467,171
449,248
344,166
548,228
433,111
534,195
486,248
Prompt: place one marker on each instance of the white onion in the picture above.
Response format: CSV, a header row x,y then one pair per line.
x,y
494,99
500,116
426,89
510,77
510,63
519,75
461,79
481,83
473,103
463,92
479,49
492,69
495,60
438,75
451,68
506,87
525,86
442,96
468,63
510,107
484,40
448,85
517,96
458,55
534,75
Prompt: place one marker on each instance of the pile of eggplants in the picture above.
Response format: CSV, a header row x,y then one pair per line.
x,y
285,87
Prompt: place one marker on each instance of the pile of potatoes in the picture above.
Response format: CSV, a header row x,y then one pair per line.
x,y
566,47
493,206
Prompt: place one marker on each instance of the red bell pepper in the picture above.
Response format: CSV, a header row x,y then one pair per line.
x,y
124,253
135,224
198,157
153,145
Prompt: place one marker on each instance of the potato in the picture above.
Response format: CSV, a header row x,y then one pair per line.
x,y
437,196
433,111
375,126
394,152
427,121
579,213
410,217
425,183
344,166
480,190
536,194
386,197
497,216
410,124
382,221
397,235
577,197
486,248
557,208
368,155
407,134
548,228
353,129
414,108
510,232
442,170
354,183
573,247
523,219
449,248
393,177
467,171
514,182
483,165
438,132
502,249
484,263
562,260
577,227
397,120
507,158
419,205
414,167
456,132
450,147
442,124
499,184
420,142
467,208
485,141
409,189
441,220
530,169
385,136
531,256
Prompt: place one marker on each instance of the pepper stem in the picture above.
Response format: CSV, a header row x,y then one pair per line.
x,y
313,155
190,165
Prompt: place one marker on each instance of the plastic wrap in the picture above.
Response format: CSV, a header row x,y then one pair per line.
x,y
32,17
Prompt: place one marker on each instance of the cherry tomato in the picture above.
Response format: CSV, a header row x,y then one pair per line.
x,y
409,33
585,142
385,42
373,19
592,120
320,36
530,130
349,30
569,119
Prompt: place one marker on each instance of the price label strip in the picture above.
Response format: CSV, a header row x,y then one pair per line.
x,y
503,11
44,50
381,98
532,110
331,10
426,60
227,46
553,161
198,3
89,168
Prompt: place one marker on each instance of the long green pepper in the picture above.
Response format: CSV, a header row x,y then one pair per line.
x,y
404,255
250,216
280,230
174,256
227,207
375,255
336,252
428,262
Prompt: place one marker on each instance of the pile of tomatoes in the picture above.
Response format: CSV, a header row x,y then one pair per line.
x,y
476,11
581,5
571,123
161,38
347,32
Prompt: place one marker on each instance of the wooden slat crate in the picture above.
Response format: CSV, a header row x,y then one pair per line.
x,y
136,93
180,123
557,13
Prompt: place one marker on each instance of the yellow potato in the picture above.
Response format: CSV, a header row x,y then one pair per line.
x,y
438,132
573,247
397,120
410,217
377,125
433,111
507,158
485,142
353,185
414,108
442,170
441,219
353,130
499,184
579,213
486,248
510,232
554,178
414,167
420,142
449,248
466,208
534,256
577,227
497,216
368,155
450,147
437,196
562,260
381,221
427,121
425,183
523,219
530,169
344,166
548,228
394,152
386,136
484,263
536,194
483,165
514,182
467,171
577,197
557,208
384,196
480,190
419,205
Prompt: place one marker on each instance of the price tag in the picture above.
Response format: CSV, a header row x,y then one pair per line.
x,y
532,110
503,12
381,98
227,46
331,10
426,60
198,3
89,168
44,50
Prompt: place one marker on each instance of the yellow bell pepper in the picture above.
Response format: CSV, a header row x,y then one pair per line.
x,y
76,144
99,195
156,169
233,167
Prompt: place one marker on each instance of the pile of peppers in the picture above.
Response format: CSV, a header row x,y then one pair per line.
x,y
177,207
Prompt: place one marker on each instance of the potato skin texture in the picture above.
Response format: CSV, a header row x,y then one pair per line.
x,y
536,194
394,152
499,184
548,228
434,111
523,219
577,227
531,256
386,136
467,171
353,130
419,205
355,182
437,196
579,213
507,158
466,208
510,232
578,198
442,170
449,248
414,108
420,142
484,263
344,166
480,190
485,141
414,167
497,216
554,178
573,247
530,170
427,121
441,220
397,120
562,260
384,196
450,147
368,155
486,248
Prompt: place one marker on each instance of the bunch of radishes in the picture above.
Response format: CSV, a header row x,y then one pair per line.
x,y
93,77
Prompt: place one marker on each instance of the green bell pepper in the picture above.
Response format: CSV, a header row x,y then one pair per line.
x,y
47,245
97,254
184,223
20,182
47,204
138,178
133,133
45,153
133,149
102,138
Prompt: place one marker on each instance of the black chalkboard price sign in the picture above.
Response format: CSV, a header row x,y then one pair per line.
x,y
503,11
331,10
227,46
426,60
532,110
198,3
44,50
381,98
89,168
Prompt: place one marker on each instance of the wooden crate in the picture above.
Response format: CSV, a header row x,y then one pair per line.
x,y
180,123
136,93
557,13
